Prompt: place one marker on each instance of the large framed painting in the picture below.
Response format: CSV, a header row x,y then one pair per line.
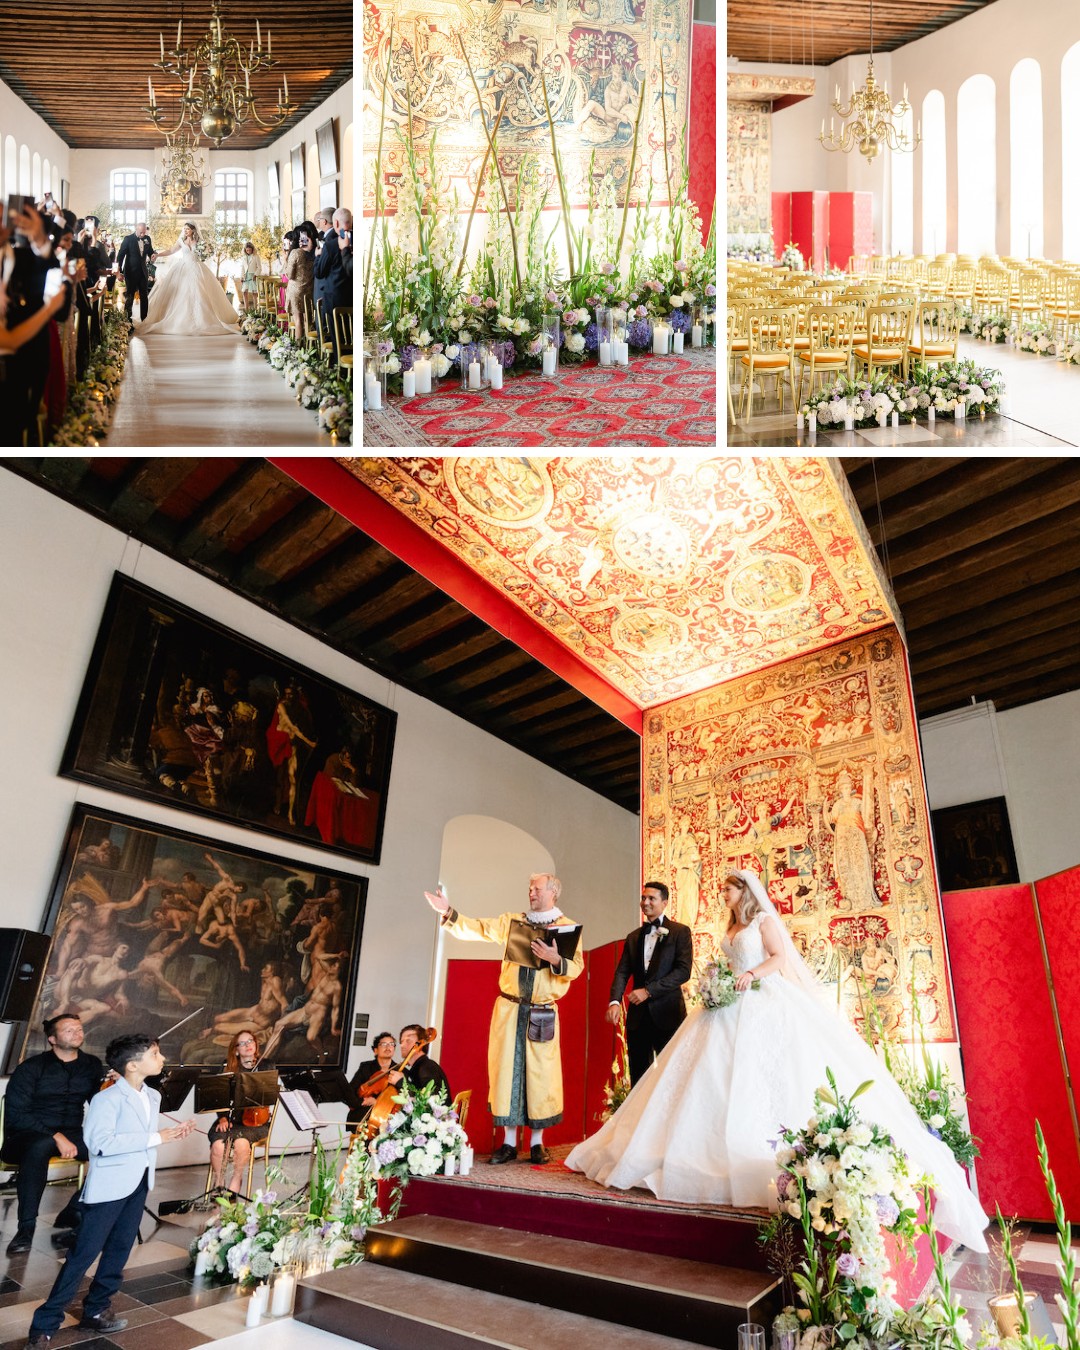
x,y
181,710
974,845
189,940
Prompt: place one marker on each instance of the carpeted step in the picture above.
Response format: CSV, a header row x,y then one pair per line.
x,y
397,1310
702,1302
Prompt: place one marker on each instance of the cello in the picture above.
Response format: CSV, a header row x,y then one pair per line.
x,y
380,1087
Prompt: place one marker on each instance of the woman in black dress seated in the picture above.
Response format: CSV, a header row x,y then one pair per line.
x,y
229,1137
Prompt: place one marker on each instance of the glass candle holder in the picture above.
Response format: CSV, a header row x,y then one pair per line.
x,y
710,327
620,345
661,338
549,344
605,350
697,326
374,384
423,374
475,375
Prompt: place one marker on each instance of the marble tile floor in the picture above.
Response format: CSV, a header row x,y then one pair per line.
x,y
166,1307
208,392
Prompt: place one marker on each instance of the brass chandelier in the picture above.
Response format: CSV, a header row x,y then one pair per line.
x,y
875,124
218,72
183,168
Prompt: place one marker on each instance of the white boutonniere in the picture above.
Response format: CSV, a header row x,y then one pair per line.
x,y
661,932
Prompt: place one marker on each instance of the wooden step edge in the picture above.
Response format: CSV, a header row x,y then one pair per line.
x,y
761,1289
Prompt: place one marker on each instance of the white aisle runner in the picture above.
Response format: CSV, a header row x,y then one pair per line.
x,y
207,391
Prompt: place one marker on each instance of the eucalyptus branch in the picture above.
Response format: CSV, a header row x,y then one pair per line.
x,y
378,164
559,174
1068,1300
494,158
479,187
630,176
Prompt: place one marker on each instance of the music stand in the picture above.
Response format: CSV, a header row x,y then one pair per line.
x,y
305,1091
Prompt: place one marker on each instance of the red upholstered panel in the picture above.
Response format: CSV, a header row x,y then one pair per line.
x,y
471,989
781,221
600,968
809,226
702,147
1011,1064
1059,901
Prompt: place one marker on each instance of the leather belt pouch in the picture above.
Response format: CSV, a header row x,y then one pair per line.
x,y
541,1024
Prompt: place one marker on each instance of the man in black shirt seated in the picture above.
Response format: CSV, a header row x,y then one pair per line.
x,y
422,1070
43,1117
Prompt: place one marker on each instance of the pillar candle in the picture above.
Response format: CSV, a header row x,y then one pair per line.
x,y
466,1159
495,372
811,422
930,414
800,422
202,1261
448,1166
895,418
659,340
960,411
622,353
695,335
849,418
284,1291
773,1198
408,384
474,374
257,1305
605,353
422,369
677,340
881,417
551,359
374,394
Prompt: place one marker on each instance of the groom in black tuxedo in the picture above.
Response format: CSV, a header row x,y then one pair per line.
x,y
658,957
136,253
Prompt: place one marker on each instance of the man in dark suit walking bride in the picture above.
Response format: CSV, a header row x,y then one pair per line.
x,y
136,253
658,957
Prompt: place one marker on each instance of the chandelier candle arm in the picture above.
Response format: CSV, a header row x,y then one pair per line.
x,y
870,120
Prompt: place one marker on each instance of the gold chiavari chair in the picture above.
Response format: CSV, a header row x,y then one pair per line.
x,y
1063,311
343,332
831,331
888,334
770,350
935,332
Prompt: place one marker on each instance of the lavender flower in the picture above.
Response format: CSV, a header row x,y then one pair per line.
x,y
591,338
847,1265
474,301
506,353
607,268
710,289
785,1185
639,333
570,318
385,348
888,1211
551,297
489,303
408,354
609,289
679,321
682,267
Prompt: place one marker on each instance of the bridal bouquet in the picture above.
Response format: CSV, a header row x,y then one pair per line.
x,y
716,986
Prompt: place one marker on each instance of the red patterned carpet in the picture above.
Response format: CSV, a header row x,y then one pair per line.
x,y
655,401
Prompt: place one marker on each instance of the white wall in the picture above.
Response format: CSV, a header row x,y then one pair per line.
x,y
55,568
991,41
1028,755
19,121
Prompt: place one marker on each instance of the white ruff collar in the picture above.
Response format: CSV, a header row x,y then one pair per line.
x,y
543,916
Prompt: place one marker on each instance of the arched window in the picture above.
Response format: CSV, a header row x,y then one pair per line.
x,y
35,176
935,219
24,170
903,195
232,196
46,176
130,196
976,168
11,169
1026,160
1070,154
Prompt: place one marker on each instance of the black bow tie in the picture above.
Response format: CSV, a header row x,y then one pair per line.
x,y
651,925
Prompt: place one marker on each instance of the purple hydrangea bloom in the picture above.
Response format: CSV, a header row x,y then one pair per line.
x,y
847,1265
505,351
251,1227
590,337
888,1211
408,355
420,1141
679,321
639,333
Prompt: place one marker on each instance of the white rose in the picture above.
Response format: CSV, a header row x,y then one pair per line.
x,y
521,325
393,365
452,350
440,365
675,301
465,335
424,339
688,297
575,343
936,1122
583,315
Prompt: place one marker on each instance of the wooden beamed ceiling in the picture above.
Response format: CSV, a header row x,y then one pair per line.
x,y
984,556
819,32
83,68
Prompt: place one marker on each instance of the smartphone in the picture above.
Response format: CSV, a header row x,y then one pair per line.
x,y
16,202
54,279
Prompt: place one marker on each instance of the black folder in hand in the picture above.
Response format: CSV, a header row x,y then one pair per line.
x,y
522,935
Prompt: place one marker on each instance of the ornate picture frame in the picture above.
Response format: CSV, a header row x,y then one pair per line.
x,y
974,845
153,927
181,710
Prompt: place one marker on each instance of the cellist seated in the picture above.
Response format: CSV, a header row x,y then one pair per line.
x,y
421,1068
414,1071
383,1047
230,1138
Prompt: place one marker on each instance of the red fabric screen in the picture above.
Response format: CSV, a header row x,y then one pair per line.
x,y
702,147
1059,901
600,966
1012,1069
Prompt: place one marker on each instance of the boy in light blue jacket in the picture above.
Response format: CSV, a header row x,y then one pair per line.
x,y
122,1137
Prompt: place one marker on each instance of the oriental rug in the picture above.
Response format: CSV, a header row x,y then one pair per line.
x,y
656,401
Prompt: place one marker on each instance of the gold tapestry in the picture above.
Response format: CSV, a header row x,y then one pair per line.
x,y
593,54
808,773
749,167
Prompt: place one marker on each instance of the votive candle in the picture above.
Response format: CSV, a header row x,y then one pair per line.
x,y
257,1305
408,384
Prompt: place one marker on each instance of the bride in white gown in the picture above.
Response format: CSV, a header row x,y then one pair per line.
x,y
187,298
701,1124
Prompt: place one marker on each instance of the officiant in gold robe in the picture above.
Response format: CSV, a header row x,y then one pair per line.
x,y
524,1063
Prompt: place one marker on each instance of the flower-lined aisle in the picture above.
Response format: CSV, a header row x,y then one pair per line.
x,y
90,400
319,387
610,287
954,388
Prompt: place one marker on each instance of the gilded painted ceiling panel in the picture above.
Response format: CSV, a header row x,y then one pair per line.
x,y
595,56
665,575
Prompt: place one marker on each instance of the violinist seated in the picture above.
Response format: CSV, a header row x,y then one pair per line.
x,y
44,1119
372,1075
422,1069
229,1136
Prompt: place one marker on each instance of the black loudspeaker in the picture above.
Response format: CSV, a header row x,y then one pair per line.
x,y
22,967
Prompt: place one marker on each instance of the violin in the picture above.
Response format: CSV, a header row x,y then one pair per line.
x,y
384,1106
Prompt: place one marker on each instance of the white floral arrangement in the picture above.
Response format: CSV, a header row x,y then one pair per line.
x,y
1035,336
792,257
939,386
418,1138
90,400
992,328
1071,354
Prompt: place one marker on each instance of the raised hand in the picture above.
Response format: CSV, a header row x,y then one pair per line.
x,y
438,900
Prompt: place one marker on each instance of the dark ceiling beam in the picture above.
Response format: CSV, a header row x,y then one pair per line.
x,y
1055,650
240,511
384,573
880,480
452,627
991,623
1023,574
1002,636
379,605
414,621
308,534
